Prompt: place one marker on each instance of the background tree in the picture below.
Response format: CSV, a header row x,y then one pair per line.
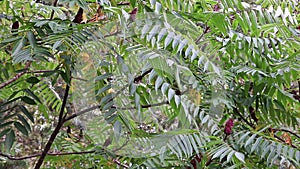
x,y
190,84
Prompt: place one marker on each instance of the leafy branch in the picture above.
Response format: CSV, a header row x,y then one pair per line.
x,y
121,108
17,76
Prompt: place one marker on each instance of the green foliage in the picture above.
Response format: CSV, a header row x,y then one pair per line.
x,y
154,91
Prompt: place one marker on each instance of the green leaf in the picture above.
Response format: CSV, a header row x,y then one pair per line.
x,y
14,94
250,140
255,145
31,38
104,76
103,89
21,128
132,3
137,99
5,73
4,132
240,156
32,95
219,152
18,46
28,100
27,113
2,125
9,139
24,121
229,156
32,80
66,77
117,130
56,44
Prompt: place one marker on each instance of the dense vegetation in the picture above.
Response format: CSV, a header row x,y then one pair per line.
x,y
136,84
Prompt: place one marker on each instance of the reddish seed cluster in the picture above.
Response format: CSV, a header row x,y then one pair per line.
x,y
228,126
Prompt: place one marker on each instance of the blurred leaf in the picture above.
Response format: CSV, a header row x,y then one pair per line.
x,y
9,139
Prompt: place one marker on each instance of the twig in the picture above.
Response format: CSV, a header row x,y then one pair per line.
x,y
111,34
123,3
49,153
242,117
121,108
52,13
40,71
139,78
57,154
120,164
81,112
144,106
56,130
284,141
285,130
16,77
201,36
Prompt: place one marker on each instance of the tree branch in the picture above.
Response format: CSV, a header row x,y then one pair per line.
x,y
16,77
139,78
56,130
81,112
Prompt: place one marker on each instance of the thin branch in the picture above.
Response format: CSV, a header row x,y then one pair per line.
x,y
242,117
140,78
284,141
285,130
57,154
52,13
56,130
49,153
144,106
41,71
121,108
201,36
16,77
123,3
120,164
111,34
81,112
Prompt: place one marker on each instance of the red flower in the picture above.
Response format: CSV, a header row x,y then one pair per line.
x,y
228,126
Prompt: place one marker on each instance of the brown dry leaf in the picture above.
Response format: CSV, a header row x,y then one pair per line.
x,y
286,137
99,16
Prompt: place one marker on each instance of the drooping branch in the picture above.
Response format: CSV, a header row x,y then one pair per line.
x,y
16,77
